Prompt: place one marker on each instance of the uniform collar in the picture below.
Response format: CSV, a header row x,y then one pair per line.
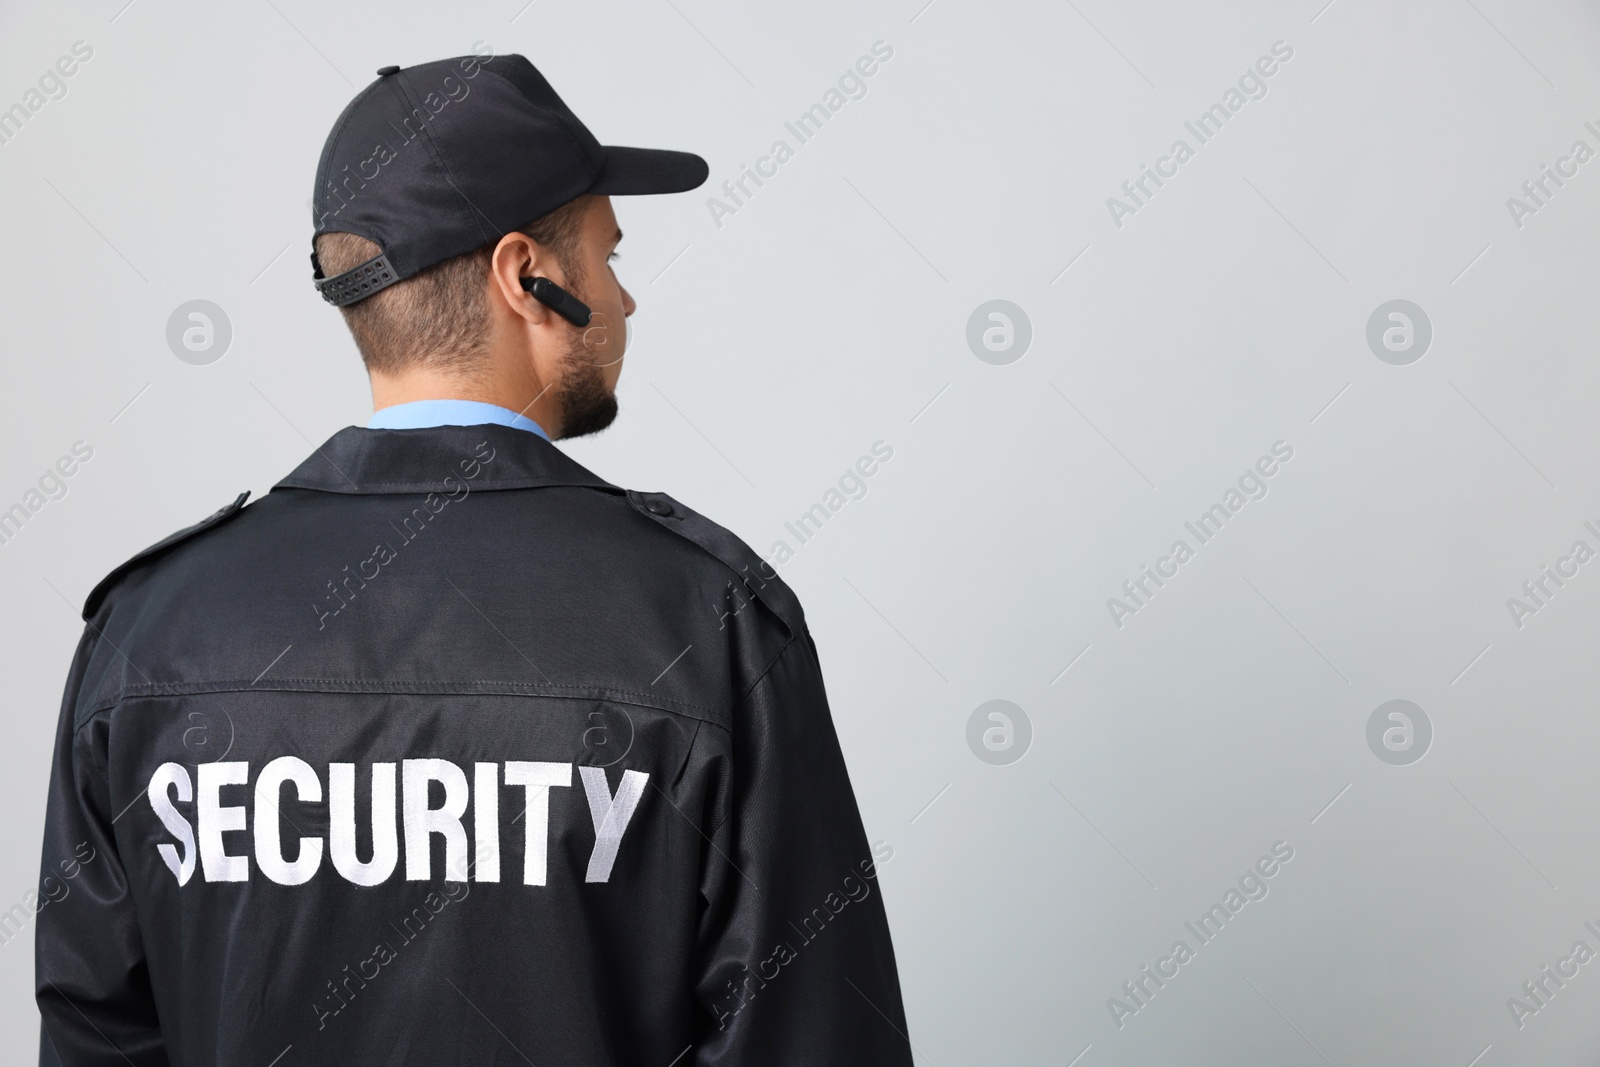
x,y
418,414
438,459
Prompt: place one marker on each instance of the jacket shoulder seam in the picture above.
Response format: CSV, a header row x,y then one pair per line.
x,y
761,677
738,704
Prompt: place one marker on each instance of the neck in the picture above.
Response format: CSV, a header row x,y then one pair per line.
x,y
522,393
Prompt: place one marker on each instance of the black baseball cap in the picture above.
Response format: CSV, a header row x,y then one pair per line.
x,y
433,161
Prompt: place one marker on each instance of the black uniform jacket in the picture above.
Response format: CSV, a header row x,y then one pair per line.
x,y
449,752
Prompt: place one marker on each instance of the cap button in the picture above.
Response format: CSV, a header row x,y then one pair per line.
x,y
384,72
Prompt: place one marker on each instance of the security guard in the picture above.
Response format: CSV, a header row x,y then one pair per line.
x,y
448,751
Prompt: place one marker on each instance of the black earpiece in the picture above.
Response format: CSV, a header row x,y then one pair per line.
x,y
558,300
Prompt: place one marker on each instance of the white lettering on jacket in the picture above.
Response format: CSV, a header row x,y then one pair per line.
x,y
395,808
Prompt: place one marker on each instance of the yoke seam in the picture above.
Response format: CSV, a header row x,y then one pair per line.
x,y
326,686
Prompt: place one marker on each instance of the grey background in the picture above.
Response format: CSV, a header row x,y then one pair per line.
x,y
831,312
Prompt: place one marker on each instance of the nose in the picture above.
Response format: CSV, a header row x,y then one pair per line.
x,y
628,305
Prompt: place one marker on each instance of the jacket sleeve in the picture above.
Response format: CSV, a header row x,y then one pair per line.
x,y
90,978
796,965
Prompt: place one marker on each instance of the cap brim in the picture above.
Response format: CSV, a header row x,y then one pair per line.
x,y
642,171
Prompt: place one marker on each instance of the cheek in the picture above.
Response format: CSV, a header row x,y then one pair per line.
x,y
612,365
611,302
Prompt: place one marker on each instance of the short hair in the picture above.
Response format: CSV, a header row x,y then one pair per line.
x,y
438,317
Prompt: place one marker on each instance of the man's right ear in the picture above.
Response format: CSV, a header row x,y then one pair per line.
x,y
511,263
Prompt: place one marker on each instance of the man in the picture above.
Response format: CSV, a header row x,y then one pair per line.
x,y
448,751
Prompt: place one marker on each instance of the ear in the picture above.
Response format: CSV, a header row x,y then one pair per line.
x,y
515,257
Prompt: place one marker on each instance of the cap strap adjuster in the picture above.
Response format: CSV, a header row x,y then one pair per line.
x,y
357,283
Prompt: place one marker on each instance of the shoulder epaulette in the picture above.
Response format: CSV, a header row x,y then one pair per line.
x,y
221,515
758,577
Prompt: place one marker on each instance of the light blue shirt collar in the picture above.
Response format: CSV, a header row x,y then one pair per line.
x,y
419,414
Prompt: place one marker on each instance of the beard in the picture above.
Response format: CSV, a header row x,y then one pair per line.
x,y
587,404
